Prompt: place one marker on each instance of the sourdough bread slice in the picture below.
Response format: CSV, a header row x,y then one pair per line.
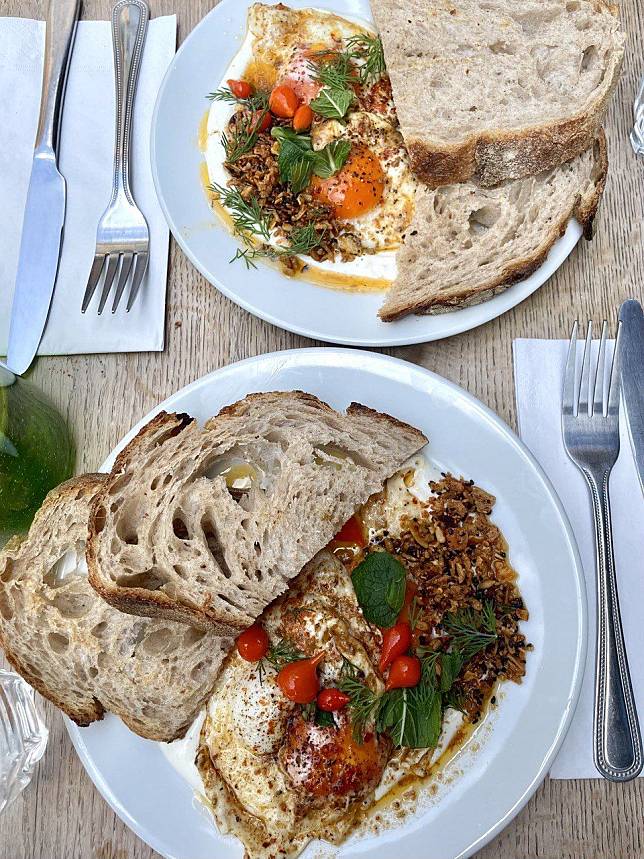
x,y
207,526
466,243
498,90
81,653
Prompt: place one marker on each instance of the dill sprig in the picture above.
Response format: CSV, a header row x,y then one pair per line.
x,y
368,50
256,101
470,630
248,216
281,653
334,69
244,134
364,704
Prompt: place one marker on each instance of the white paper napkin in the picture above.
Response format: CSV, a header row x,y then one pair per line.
x,y
85,160
538,373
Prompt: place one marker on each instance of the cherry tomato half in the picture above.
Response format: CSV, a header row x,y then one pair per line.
x,y
352,532
410,593
252,644
261,121
299,680
283,102
404,673
303,118
331,700
395,641
240,89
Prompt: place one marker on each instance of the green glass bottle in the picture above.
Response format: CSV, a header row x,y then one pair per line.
x,y
36,452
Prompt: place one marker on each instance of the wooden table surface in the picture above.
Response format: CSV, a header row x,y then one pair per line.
x,y
61,815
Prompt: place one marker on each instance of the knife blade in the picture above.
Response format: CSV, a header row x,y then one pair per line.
x,y
632,378
44,217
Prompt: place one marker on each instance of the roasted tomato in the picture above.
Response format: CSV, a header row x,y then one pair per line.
x,y
329,763
352,532
303,118
252,644
355,189
299,680
395,641
261,121
404,673
240,89
283,102
332,700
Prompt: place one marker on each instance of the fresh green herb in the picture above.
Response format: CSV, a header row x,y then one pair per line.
x,y
282,653
413,717
334,69
414,613
332,158
332,102
298,161
251,223
369,52
454,700
324,719
248,216
379,583
256,101
244,134
451,665
470,630
364,704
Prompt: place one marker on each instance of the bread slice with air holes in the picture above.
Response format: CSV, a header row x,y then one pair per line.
x,y
497,90
82,654
207,526
466,243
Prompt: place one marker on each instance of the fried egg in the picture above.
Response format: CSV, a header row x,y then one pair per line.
x,y
273,779
373,193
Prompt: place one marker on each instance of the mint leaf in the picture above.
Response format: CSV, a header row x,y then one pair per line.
x,y
379,583
332,158
324,719
332,102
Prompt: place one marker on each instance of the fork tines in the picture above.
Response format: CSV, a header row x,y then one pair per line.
x,y
596,393
135,263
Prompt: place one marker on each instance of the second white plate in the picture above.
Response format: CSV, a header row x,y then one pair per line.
x,y
322,314
490,781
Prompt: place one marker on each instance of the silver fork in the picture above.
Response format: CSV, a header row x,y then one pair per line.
x,y
590,423
122,237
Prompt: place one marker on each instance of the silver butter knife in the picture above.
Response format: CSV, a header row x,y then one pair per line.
x,y
632,378
42,227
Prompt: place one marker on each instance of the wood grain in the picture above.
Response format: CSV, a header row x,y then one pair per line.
x,y
61,815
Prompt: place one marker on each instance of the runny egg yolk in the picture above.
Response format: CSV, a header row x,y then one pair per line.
x,y
355,189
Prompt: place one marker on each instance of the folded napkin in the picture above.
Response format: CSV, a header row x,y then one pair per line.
x,y
85,160
538,373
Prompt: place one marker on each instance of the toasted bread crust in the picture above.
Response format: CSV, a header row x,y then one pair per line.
x,y
86,485
491,158
146,602
491,155
584,210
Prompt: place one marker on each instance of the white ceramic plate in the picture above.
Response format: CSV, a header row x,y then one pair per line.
x,y
485,787
314,311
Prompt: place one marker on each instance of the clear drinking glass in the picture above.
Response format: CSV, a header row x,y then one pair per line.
x,y
23,736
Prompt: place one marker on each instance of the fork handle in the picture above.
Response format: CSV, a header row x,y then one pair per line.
x,y
129,27
616,731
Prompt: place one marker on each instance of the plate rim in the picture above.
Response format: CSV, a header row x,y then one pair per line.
x,y
565,245
371,360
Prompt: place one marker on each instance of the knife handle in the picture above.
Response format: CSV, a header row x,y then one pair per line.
x,y
62,16
129,28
